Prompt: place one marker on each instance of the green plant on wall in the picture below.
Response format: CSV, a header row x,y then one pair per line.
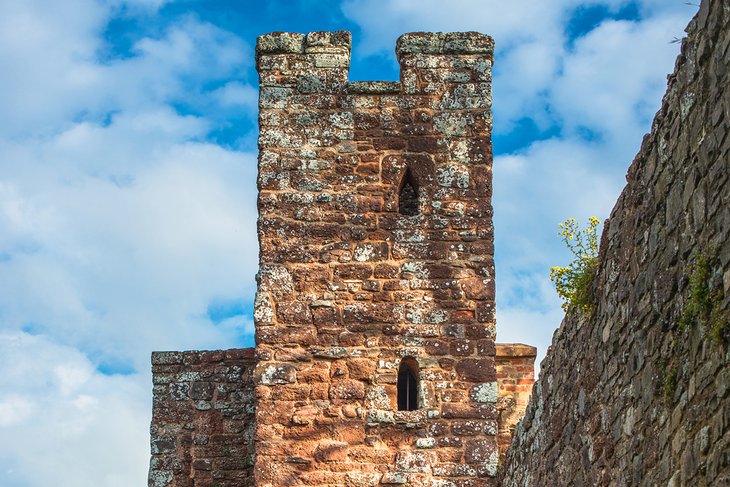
x,y
574,282
705,296
669,384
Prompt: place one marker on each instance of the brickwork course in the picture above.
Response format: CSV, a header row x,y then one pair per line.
x,y
639,394
376,253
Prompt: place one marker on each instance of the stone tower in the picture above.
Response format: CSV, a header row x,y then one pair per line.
x,y
375,361
375,309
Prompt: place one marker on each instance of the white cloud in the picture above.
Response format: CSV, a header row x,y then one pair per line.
x,y
14,409
235,94
66,425
614,77
119,225
116,255
58,74
120,229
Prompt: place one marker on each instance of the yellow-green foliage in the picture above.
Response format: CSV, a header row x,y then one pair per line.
x,y
705,297
574,283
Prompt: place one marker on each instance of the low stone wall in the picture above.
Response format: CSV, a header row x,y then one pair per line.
x,y
639,393
515,364
202,419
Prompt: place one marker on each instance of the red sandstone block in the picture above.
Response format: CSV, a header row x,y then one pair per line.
x,y
468,411
485,312
353,271
461,347
479,330
452,395
479,451
478,289
436,347
487,347
293,312
347,390
302,335
461,316
386,271
325,316
476,370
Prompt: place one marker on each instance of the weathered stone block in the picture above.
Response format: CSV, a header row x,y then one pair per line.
x,y
274,373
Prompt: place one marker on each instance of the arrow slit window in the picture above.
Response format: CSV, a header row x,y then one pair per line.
x,y
408,195
408,385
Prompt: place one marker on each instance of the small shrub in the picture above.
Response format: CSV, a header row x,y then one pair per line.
x,y
574,283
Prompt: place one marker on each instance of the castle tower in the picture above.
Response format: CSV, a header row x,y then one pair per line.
x,y
375,309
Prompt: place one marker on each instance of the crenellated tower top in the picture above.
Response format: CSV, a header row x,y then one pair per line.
x,y
330,51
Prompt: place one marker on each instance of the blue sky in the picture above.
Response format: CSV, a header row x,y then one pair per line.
x,y
127,185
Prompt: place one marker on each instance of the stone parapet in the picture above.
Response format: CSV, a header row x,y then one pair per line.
x,y
515,364
202,418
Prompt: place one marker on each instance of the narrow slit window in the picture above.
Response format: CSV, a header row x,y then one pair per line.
x,y
408,385
408,195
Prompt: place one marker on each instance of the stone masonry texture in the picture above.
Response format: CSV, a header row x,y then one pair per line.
x,y
515,365
376,250
202,418
349,286
635,394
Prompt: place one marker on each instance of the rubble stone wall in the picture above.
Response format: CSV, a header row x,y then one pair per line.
x,y
202,419
352,281
639,394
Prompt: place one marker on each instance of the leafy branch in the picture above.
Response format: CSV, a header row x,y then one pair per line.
x,y
574,283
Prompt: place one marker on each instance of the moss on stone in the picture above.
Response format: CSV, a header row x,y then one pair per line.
x,y
705,297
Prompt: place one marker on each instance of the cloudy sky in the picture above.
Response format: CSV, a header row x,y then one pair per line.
x,y
127,185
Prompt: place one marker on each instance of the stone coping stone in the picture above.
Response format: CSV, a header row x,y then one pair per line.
x,y
295,43
515,350
444,43
411,43
173,358
373,87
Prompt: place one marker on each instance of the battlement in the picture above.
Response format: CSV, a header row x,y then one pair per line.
x,y
337,44
319,62
341,41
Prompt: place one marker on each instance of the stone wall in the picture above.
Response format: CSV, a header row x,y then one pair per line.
x,y
515,364
376,238
202,419
638,394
